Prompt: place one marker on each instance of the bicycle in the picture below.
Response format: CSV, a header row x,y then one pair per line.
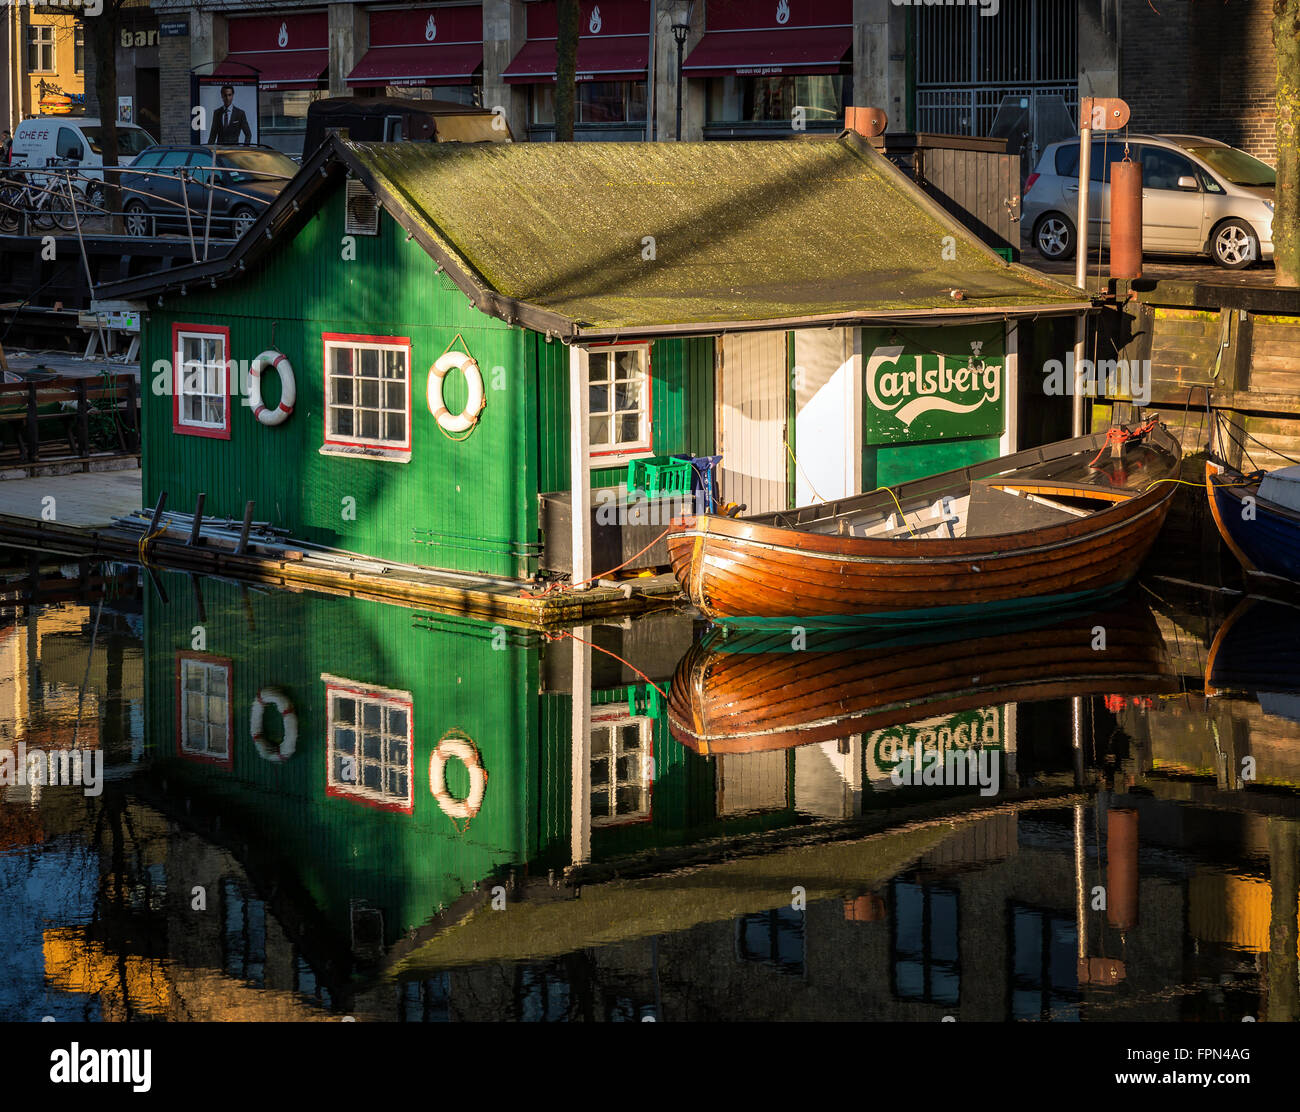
x,y
48,204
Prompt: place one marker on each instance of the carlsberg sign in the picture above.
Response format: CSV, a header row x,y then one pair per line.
x,y
917,391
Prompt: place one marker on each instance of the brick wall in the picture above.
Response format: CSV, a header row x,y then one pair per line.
x,y
1201,66
174,85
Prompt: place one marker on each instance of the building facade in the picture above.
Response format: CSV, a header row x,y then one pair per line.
x,y
43,53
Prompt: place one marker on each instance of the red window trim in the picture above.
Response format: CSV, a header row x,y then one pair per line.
x,y
345,337
373,693
199,330
188,754
623,455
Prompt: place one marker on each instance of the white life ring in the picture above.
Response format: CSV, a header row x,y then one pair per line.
x,y
468,417
281,702
463,749
272,360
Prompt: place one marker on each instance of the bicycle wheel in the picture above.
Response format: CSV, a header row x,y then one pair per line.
x,y
10,208
62,214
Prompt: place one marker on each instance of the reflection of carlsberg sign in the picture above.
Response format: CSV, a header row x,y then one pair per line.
x,y
909,392
890,747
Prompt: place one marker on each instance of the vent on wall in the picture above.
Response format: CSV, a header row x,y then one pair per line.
x,y
362,217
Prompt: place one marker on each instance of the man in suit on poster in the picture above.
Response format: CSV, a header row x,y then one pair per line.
x,y
229,122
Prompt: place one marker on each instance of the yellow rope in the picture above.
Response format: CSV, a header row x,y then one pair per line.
x,y
819,498
1199,486
142,548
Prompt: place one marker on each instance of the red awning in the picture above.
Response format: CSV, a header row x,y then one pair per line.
x,y
792,50
275,69
603,58
453,63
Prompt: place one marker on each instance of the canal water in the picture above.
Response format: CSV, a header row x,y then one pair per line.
x,y
294,806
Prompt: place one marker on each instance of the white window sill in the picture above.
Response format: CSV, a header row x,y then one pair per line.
x,y
361,451
619,459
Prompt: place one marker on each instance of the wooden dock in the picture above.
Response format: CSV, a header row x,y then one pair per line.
x,y
82,525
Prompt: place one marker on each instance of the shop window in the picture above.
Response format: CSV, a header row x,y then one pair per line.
x,y
927,965
773,100
201,398
1044,965
774,938
244,935
40,48
621,764
618,394
282,117
368,395
369,743
203,707
597,102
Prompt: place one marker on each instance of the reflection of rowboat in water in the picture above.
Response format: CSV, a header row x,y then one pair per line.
x,y
755,691
1049,526
1257,651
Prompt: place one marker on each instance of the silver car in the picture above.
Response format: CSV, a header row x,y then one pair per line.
x,y
1199,197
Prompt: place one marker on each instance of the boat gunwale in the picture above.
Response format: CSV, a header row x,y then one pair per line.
x,y
757,532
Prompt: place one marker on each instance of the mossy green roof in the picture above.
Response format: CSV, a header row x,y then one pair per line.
x,y
627,237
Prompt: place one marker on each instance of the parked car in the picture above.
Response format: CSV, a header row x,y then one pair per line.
x,y
172,179
75,143
1199,197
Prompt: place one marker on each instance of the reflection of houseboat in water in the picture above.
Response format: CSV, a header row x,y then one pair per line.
x,y
597,869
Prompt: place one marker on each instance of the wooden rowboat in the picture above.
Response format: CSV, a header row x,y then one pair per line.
x,y
753,691
1047,527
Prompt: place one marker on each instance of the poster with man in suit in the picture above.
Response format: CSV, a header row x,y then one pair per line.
x,y
230,111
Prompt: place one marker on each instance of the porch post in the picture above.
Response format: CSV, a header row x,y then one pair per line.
x,y
580,464
580,772
1011,397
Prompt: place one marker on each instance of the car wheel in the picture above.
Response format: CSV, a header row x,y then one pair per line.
x,y
1234,245
1054,236
136,219
243,218
95,196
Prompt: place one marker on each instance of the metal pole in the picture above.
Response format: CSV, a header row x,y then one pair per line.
x,y
1081,268
681,45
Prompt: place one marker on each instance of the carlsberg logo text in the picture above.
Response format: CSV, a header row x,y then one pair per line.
x,y
907,389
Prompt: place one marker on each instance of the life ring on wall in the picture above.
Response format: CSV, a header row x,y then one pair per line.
x,y
282,703
276,361
460,747
468,417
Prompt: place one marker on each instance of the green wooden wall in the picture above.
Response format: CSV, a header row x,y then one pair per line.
x,y
681,407
461,675
467,506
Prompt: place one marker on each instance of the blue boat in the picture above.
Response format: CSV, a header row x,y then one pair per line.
x,y
1258,516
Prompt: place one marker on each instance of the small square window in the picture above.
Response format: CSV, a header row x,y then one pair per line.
x,y
203,714
620,767
618,398
201,405
368,387
370,745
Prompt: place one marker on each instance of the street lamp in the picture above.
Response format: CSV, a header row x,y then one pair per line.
x,y
680,32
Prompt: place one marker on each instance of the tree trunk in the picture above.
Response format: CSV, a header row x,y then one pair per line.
x,y
1286,215
566,68
101,39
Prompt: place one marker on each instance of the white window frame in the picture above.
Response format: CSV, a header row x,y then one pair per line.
x,y
610,719
78,47
41,38
221,365
383,448
610,452
187,665
365,694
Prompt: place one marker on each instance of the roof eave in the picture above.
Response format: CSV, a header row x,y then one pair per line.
x,y
957,315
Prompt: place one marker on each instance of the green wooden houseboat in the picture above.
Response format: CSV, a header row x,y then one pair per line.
x,y
428,353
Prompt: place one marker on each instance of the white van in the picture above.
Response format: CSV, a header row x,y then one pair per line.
x,y
74,142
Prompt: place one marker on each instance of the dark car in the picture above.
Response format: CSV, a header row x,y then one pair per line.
x,y
167,182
